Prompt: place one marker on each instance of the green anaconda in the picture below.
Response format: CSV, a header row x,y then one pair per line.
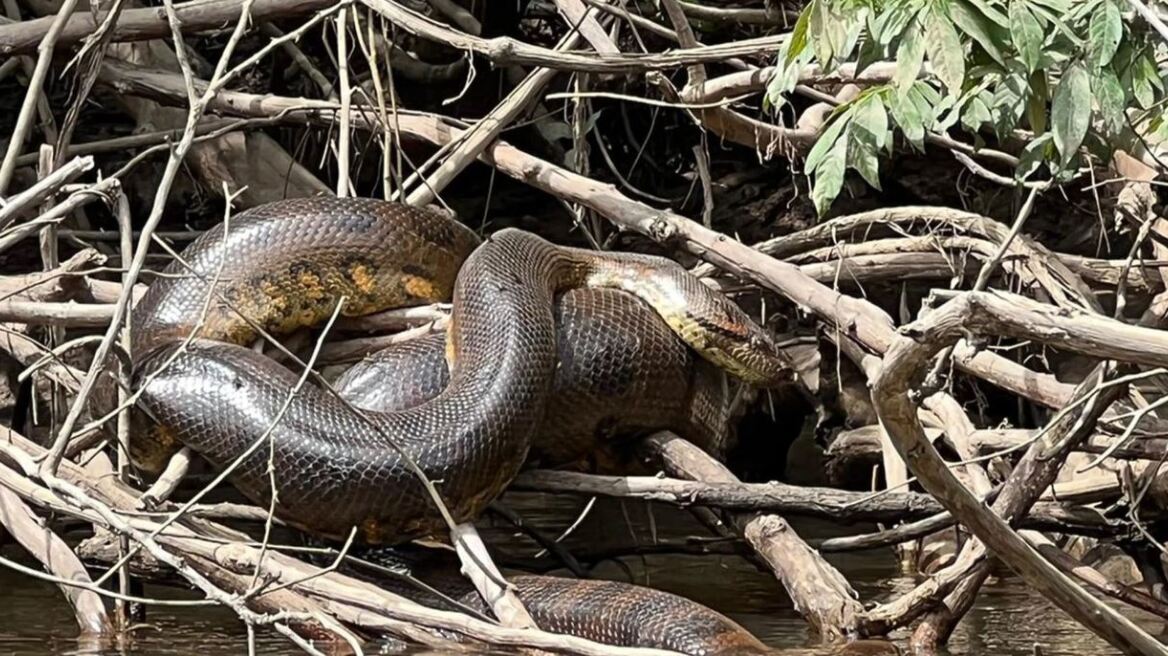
x,y
622,372
289,264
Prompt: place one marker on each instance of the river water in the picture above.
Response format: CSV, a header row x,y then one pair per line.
x,y
1008,619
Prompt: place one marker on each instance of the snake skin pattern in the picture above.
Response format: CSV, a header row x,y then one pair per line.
x,y
289,264
622,372
622,614
610,612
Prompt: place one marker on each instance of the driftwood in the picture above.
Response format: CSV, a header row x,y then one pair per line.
x,y
827,503
820,593
381,74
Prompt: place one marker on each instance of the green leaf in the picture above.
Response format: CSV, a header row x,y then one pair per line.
x,y
908,117
976,114
1033,155
799,36
1036,105
929,95
1070,112
1009,101
1151,69
829,176
1104,34
780,84
818,27
1153,125
951,116
1060,6
829,33
826,141
853,23
929,103
993,13
870,53
870,122
910,56
1109,94
1159,129
839,25
1080,11
1123,58
1026,33
891,22
956,107
1059,23
974,23
1144,80
863,158
945,51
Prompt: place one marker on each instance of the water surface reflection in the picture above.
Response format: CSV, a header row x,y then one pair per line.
x,y
1008,619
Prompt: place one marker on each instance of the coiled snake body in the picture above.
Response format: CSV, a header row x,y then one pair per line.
x,y
621,372
288,264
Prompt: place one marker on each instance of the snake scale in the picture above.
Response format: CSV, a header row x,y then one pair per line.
x,y
622,372
289,264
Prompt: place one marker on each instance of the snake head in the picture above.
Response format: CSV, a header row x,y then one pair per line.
x,y
755,358
729,338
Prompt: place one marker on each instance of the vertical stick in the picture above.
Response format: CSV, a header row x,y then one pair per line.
x,y
584,218
343,186
126,237
369,46
35,84
49,260
478,567
895,477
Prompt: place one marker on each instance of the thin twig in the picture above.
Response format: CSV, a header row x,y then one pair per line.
x,y
35,87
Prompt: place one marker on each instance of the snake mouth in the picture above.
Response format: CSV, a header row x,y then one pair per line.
x,y
754,367
741,348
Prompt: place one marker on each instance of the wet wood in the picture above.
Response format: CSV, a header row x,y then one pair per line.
x,y
819,592
906,361
849,284
57,559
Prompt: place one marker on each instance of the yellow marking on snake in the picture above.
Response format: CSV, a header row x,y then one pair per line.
x,y
670,303
165,436
420,287
450,345
311,285
363,278
371,530
276,296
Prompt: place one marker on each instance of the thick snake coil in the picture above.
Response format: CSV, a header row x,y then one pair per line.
x,y
621,372
287,265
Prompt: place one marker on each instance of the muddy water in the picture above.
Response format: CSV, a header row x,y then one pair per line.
x,y
1008,619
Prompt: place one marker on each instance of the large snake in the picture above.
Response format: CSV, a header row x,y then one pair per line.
x,y
290,264
621,372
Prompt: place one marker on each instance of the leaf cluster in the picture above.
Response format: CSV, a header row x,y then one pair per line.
x,y
1053,77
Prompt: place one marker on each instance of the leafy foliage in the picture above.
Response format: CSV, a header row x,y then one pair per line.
x,y
1062,75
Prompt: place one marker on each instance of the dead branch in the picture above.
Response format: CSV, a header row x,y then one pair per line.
x,y
905,362
820,593
504,51
17,205
864,443
827,503
58,559
150,23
